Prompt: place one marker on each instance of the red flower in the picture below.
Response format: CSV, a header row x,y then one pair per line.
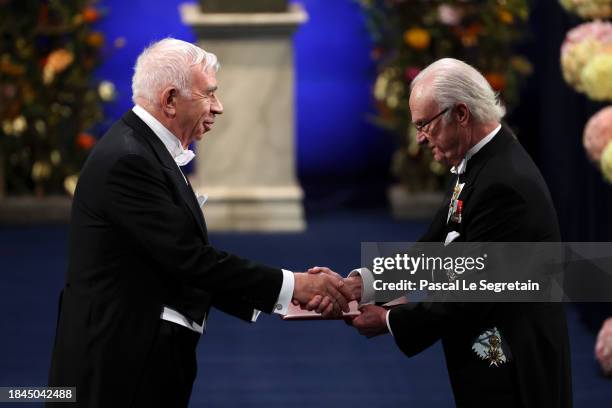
x,y
90,15
85,141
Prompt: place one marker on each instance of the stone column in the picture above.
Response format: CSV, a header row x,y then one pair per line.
x,y
246,164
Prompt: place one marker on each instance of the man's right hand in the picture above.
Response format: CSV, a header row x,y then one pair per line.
x,y
353,285
326,286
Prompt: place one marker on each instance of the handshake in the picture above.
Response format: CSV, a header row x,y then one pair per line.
x,y
326,292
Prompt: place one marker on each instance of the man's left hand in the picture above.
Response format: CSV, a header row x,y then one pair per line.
x,y
371,322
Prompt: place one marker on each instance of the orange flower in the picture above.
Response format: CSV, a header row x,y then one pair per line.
x,y
469,35
85,141
95,39
417,38
59,60
56,62
90,15
496,80
505,16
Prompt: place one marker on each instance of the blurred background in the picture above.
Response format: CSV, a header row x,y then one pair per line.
x,y
315,142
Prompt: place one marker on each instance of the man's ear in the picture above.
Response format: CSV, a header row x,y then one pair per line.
x,y
168,99
461,114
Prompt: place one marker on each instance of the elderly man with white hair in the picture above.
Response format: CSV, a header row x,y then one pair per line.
x,y
142,274
498,354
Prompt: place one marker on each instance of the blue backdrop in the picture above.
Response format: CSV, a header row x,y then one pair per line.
x,y
337,148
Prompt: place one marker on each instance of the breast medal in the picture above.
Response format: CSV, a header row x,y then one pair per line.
x,y
456,206
490,347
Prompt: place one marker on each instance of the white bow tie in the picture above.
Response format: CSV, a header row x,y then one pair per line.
x,y
185,157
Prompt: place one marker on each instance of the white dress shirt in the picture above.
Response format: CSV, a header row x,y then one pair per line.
x,y
181,157
367,288
460,168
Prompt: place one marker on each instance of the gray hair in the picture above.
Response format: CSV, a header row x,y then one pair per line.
x,y
455,82
168,62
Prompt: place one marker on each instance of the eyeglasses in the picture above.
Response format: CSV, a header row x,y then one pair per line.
x,y
420,127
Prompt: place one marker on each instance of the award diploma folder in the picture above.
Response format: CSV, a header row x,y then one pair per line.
x,y
296,313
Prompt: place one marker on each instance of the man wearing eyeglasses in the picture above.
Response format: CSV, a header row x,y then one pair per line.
x,y
497,195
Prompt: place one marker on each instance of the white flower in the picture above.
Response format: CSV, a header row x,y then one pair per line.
x,y
106,90
19,125
449,15
596,77
41,171
70,183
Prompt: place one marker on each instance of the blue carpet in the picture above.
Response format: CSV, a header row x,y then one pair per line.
x,y
271,363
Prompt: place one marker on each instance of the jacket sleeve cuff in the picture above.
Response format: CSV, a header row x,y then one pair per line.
x,y
388,324
367,285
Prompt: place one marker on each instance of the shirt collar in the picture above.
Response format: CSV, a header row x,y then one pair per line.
x,y
461,167
180,155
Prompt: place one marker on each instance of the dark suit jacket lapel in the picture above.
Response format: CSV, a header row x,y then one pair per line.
x,y
168,162
503,138
476,163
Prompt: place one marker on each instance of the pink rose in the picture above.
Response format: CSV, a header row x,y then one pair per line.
x,y
603,347
598,133
597,30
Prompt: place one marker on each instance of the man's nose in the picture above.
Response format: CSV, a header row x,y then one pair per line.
x,y
421,138
217,107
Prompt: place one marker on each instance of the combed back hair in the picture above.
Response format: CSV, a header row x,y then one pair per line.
x,y
455,82
168,63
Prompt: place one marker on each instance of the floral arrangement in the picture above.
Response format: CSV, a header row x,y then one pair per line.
x,y
597,77
586,59
598,133
589,9
597,141
606,162
603,347
408,35
50,103
586,63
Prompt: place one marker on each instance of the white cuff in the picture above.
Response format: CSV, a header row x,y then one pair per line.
x,y
256,314
286,293
388,325
367,285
